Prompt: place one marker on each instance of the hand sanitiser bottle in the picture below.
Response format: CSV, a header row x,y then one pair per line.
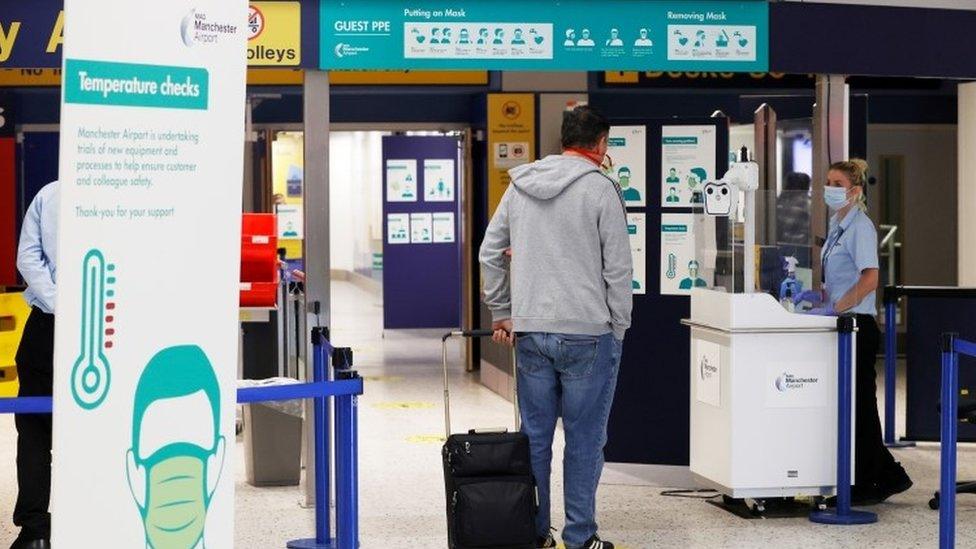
x,y
787,301
791,286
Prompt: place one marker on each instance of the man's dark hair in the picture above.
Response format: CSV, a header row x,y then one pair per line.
x,y
583,127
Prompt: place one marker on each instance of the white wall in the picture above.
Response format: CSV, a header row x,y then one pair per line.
x,y
356,195
930,232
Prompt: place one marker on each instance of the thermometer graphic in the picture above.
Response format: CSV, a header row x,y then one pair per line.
x,y
672,267
91,375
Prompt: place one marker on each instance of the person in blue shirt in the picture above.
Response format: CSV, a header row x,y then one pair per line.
x,y
37,263
850,276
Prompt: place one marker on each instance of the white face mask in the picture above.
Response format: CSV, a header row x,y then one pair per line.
x,y
835,197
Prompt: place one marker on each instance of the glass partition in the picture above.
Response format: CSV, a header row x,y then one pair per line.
x,y
720,245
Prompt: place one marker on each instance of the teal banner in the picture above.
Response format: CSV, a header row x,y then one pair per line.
x,y
610,35
134,85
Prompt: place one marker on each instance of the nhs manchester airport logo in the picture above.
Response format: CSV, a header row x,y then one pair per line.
x,y
706,369
197,28
787,382
343,50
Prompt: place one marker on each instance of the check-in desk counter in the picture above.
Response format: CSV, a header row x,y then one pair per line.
x,y
763,397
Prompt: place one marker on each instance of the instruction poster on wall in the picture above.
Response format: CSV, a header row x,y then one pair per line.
x,y
145,363
421,228
680,267
637,229
290,223
401,180
628,149
443,227
439,178
398,228
687,162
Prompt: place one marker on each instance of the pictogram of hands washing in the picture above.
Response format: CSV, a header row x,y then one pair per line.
x,y
92,374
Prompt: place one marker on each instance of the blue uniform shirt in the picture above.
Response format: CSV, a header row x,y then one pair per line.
x,y
37,254
852,247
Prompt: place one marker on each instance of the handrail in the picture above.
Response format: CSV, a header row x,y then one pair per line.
x,y
889,242
892,230
893,292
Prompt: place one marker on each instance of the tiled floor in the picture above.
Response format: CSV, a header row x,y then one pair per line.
x,y
402,494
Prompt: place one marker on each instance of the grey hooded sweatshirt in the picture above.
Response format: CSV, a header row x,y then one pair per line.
x,y
571,267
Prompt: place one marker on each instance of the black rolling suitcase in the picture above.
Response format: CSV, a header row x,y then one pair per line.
x,y
491,493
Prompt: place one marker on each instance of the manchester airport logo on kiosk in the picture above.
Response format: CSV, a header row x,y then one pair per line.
x,y
196,28
706,369
790,382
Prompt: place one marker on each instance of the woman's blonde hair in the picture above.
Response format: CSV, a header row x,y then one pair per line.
x,y
856,171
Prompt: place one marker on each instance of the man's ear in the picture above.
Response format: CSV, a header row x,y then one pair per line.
x,y
136,475
215,466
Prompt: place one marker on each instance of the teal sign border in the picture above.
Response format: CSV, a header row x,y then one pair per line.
x,y
686,35
135,85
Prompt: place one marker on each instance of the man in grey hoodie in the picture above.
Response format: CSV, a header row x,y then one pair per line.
x,y
567,293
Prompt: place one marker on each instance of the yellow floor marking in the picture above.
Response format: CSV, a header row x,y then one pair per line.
x,y
426,439
404,405
383,379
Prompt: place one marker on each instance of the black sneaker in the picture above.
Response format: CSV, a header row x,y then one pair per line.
x,y
596,543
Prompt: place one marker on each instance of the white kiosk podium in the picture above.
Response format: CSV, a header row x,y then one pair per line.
x,y
763,397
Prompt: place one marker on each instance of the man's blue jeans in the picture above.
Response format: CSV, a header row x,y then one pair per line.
x,y
573,376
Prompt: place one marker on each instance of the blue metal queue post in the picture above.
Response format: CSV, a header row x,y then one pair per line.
x,y
843,514
321,351
949,433
347,452
891,356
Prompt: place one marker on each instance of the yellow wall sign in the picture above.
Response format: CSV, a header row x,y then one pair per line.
x,y
511,140
274,34
30,77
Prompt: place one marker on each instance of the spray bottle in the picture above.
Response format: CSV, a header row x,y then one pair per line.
x,y
791,286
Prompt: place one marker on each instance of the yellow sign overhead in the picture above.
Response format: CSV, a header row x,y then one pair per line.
x,y
274,34
287,77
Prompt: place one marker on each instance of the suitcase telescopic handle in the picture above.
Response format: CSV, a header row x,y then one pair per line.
x,y
447,390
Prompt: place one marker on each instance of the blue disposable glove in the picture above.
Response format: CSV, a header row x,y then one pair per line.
x,y
813,297
826,310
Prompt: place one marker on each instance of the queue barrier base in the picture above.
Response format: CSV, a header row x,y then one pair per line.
x,y
310,543
844,519
901,444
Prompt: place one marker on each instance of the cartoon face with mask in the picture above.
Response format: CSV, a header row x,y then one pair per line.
x,y
623,175
693,280
177,452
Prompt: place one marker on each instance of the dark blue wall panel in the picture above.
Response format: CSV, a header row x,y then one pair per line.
x,y
421,282
807,37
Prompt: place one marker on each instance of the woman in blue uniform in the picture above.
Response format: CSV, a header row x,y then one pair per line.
x,y
850,276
